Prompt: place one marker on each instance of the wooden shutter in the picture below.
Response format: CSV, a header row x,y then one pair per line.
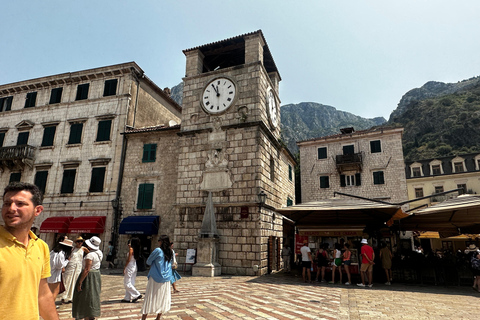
x,y
48,136
104,127
343,183
75,133
358,179
68,181
41,180
145,196
97,180
22,138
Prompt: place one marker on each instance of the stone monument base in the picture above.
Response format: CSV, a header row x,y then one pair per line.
x,y
207,258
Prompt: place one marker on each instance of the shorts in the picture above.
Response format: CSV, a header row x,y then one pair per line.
x,y
366,267
307,264
347,262
337,262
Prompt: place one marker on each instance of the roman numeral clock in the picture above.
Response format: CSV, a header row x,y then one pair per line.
x,y
218,95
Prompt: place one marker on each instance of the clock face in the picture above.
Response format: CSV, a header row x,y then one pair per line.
x,y
272,108
218,95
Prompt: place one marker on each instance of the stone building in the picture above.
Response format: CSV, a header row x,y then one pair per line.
x,y
63,133
229,148
367,163
432,176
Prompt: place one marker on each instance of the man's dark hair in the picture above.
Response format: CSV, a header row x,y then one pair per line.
x,y
37,195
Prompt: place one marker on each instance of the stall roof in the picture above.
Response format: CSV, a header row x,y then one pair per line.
x,y
450,217
56,225
341,212
140,225
87,224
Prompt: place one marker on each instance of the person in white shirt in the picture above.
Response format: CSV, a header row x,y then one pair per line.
x,y
307,261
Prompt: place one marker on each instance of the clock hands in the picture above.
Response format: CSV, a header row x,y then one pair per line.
x,y
216,90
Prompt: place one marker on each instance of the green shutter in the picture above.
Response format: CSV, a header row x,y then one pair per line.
x,y
2,138
15,177
75,133
48,136
149,153
41,180
82,91
22,138
343,183
30,100
103,133
68,181
358,179
145,196
110,88
97,180
56,95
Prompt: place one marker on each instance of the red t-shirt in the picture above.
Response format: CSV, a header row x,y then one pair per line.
x,y
369,251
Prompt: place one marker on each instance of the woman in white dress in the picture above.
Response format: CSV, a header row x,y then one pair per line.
x,y
58,261
130,271
158,295
73,270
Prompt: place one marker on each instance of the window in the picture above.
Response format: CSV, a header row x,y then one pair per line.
x,y
22,138
97,180
348,150
103,133
41,180
438,189
290,173
289,202
324,182
82,91
75,133
416,172
6,103
272,169
350,180
463,187
378,177
2,138
375,146
322,153
145,196
68,181
48,136
56,95
110,88
418,192
30,99
149,152
436,169
15,177
458,166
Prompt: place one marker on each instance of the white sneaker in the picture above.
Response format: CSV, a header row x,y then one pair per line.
x,y
360,285
370,285
347,283
388,283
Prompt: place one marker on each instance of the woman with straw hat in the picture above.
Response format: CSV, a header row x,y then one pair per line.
x,y
86,298
73,269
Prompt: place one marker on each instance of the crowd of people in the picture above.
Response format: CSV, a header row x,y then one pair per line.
x,y
71,269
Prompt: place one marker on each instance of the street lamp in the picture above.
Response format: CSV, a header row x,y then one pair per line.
x,y
262,197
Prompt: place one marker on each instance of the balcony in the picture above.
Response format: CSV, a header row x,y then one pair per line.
x,y
349,162
16,157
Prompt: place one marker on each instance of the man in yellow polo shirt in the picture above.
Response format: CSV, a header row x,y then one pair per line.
x,y
24,258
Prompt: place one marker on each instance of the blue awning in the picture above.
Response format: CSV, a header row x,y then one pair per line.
x,y
140,225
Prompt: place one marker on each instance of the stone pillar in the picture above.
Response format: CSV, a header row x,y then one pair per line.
x,y
207,258
194,63
254,48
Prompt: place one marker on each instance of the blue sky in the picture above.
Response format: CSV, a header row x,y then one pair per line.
x,y
357,56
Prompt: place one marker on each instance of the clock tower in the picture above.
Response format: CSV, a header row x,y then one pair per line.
x,y
230,153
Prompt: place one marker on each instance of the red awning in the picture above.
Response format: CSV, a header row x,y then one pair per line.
x,y
91,224
56,225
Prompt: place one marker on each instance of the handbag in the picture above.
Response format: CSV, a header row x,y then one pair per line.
x,y
174,265
62,286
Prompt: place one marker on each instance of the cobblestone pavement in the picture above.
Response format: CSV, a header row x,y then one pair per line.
x,y
285,296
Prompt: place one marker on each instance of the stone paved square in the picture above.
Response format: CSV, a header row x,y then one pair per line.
x,y
285,296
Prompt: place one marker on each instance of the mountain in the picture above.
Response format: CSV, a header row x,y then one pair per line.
x,y
430,90
308,120
440,119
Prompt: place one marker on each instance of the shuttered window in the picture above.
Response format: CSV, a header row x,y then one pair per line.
x,y
68,181
2,138
98,178
6,103
378,177
322,153
30,99
75,133
375,146
22,138
48,136
56,96
110,88
324,182
82,91
149,152
41,180
15,177
145,196
104,127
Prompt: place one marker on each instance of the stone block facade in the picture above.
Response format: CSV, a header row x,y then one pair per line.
x,y
372,173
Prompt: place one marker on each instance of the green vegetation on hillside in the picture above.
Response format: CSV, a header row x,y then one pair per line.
x,y
441,126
